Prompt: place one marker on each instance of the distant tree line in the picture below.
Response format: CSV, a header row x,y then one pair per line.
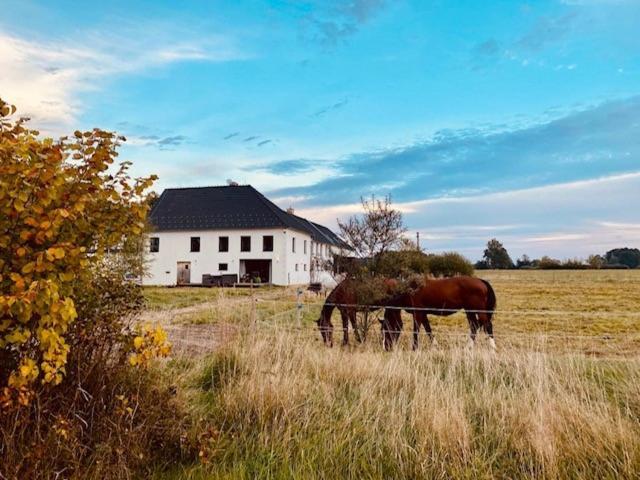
x,y
496,257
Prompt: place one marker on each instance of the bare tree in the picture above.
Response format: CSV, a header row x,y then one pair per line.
x,y
377,230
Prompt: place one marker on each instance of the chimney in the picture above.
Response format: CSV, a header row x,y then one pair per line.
x,y
290,210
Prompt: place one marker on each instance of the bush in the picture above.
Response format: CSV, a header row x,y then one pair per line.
x,y
548,263
449,264
71,399
402,263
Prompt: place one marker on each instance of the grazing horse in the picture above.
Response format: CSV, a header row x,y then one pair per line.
x,y
345,298
442,297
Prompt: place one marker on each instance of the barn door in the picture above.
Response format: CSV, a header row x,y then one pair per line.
x,y
184,273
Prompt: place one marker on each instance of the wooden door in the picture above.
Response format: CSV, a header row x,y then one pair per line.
x,y
184,273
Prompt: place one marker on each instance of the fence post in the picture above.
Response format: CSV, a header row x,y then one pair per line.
x,y
299,306
253,305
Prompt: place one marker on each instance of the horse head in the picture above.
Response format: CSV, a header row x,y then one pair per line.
x,y
326,329
391,324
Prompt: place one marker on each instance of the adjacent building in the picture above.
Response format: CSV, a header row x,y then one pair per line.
x,y
235,233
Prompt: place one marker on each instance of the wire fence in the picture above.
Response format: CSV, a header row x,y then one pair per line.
x,y
202,330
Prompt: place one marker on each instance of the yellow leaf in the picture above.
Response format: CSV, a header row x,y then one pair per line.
x,y
28,268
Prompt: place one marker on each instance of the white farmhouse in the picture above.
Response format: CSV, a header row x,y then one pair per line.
x,y
232,234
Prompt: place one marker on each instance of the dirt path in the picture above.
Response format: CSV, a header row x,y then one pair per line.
x,y
189,339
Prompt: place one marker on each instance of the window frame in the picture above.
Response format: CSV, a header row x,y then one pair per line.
x,y
264,246
195,241
154,244
225,265
243,239
220,241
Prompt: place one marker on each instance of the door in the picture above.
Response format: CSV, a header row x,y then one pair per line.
x,y
184,273
253,270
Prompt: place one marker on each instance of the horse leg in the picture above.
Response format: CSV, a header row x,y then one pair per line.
x,y
488,327
345,327
353,316
416,328
427,328
473,328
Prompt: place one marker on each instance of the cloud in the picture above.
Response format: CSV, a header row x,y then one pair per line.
x,y
251,138
547,30
596,141
231,135
331,22
489,47
171,141
45,78
162,143
264,142
565,219
330,108
289,167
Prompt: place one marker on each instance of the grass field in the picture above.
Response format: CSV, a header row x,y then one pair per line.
x,y
560,398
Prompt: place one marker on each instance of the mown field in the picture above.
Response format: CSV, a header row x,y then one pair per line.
x,y
560,398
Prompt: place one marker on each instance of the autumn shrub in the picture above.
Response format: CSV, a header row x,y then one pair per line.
x,y
449,264
78,393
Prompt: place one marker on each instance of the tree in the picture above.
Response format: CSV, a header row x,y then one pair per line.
x,y
624,256
377,230
496,256
524,262
548,263
596,261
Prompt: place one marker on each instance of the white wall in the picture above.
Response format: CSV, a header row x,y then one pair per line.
x,y
175,247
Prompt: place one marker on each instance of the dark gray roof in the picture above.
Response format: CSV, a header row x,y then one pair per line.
x,y
228,207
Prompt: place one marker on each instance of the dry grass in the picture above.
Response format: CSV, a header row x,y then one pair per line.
x,y
278,404
284,406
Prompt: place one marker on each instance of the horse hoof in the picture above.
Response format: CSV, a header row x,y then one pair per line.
x,y
492,344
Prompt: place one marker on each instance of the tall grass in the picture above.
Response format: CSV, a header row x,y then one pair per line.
x,y
284,406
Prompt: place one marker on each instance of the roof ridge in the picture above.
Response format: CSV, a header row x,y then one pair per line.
x,y
208,186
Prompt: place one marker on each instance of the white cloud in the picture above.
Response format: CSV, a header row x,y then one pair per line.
x,y
45,78
564,220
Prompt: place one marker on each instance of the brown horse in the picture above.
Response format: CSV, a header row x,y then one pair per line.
x,y
344,297
442,297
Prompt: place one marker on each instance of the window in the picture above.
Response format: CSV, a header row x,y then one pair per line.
x,y
293,244
223,267
245,244
304,247
296,267
267,243
154,244
195,244
312,244
223,244
305,267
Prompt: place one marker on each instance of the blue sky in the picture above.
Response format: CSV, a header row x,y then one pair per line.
x,y
513,119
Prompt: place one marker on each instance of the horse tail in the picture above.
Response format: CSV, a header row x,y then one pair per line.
x,y
491,299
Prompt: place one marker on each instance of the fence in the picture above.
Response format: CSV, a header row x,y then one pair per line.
x,y
559,331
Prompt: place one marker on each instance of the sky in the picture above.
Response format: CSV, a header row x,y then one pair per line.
x,y
480,118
